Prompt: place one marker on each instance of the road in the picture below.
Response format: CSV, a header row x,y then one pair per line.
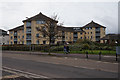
x,y
55,67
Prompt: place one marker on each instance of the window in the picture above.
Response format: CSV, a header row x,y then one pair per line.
x,y
11,37
88,32
103,29
91,32
23,30
81,33
11,32
88,37
18,42
11,42
37,42
44,42
87,28
44,28
44,35
40,22
22,36
90,27
28,24
18,36
22,42
81,37
37,35
91,37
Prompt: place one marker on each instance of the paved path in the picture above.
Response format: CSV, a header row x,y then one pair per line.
x,y
105,58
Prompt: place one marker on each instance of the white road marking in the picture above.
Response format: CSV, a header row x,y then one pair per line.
x,y
110,56
95,69
76,59
107,62
23,73
66,57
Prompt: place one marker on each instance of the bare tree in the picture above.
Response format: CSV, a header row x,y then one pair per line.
x,y
50,31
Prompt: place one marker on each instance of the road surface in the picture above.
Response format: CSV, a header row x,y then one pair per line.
x,y
55,67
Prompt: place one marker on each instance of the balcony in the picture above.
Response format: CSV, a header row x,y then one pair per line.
x,y
75,36
28,38
97,34
63,39
28,42
15,39
28,24
97,30
97,39
15,34
28,32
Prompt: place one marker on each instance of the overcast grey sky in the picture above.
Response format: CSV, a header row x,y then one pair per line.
x,y
72,14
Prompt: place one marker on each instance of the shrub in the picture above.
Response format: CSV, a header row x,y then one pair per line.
x,y
86,46
61,48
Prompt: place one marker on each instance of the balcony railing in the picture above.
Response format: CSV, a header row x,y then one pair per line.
x,y
15,34
97,34
28,38
28,43
75,35
15,39
97,29
97,38
28,32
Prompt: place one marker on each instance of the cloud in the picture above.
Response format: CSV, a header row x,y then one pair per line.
x,y
71,13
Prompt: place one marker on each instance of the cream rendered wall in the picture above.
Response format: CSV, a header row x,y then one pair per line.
x,y
102,33
24,32
20,33
34,32
59,38
89,35
80,35
11,40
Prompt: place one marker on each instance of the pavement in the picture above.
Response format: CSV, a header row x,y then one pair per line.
x,y
104,58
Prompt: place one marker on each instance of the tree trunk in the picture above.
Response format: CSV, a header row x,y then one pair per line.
x,y
49,48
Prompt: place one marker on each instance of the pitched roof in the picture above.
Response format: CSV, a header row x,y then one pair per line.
x,y
3,32
17,28
70,29
93,24
39,16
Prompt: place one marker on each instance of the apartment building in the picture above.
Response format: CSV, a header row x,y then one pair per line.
x,y
16,35
4,37
28,34
71,34
94,31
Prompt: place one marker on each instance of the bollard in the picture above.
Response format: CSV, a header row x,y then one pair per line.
x,y
100,55
87,55
116,57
